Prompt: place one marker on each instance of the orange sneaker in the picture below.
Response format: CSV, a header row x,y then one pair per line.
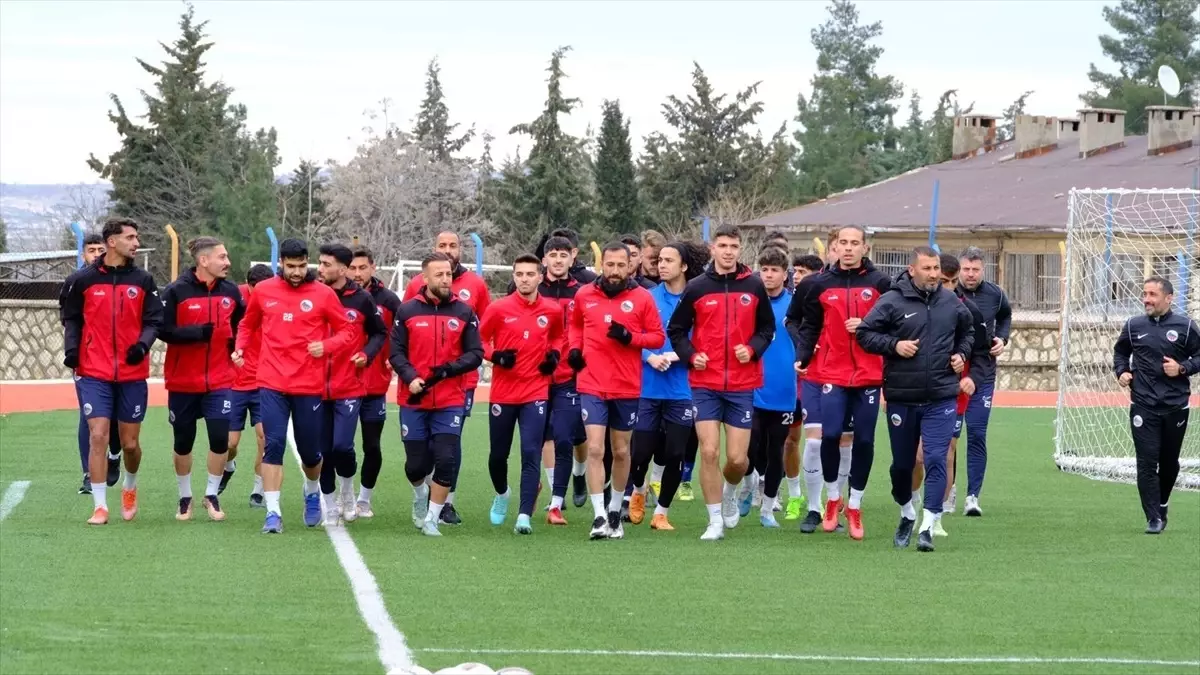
x,y
128,503
99,516
659,522
637,508
856,528
830,522
214,508
555,517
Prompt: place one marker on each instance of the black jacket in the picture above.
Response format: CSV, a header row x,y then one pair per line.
x,y
942,324
1140,348
983,364
993,304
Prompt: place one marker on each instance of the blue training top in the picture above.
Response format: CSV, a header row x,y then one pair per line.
x,y
778,362
671,385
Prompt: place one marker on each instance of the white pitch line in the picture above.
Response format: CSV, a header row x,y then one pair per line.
x,y
1030,660
12,496
393,650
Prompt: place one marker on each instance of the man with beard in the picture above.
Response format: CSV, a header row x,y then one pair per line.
x,y
109,356
721,329
297,321
345,384
378,379
201,313
635,260
470,289
435,346
924,334
613,321
245,398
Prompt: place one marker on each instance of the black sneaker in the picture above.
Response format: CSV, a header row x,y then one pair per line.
x,y
925,541
599,528
615,529
1162,511
625,512
903,533
225,476
607,494
86,487
185,509
114,470
257,502
579,485
1155,526
811,522
450,516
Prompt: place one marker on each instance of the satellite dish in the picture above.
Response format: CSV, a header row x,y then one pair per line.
x,y
1168,80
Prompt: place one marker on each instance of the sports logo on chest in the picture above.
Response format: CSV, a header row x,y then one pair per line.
x,y
306,305
351,315
453,325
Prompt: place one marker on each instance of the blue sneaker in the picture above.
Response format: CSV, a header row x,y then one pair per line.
x,y
312,509
273,524
768,520
523,525
747,503
499,509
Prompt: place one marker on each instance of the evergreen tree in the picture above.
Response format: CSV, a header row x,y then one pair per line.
x,y
302,203
848,134
433,129
1150,33
1008,125
941,126
3,237
914,139
616,189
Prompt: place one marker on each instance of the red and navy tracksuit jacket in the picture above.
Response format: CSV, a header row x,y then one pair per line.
x,y
106,311
428,334
246,377
344,379
196,365
614,370
531,329
287,319
562,293
470,289
722,311
387,304
836,296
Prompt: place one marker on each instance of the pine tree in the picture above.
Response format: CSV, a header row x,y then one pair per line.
x,y
1008,126
941,126
3,237
616,189
914,139
433,129
302,204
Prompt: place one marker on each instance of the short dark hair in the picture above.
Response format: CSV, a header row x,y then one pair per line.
x,y
364,252
773,256
258,273
339,252
436,256
557,243
614,246
568,234
526,258
730,231
972,253
774,235
293,248
857,228
113,227
949,265
201,244
808,261
630,240
1165,284
923,252
93,239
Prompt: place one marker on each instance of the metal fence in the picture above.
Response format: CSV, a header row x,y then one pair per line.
x,y
1033,281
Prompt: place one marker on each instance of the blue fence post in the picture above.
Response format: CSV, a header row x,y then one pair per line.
x,y
1108,246
704,228
478,253
933,215
77,228
1189,250
274,249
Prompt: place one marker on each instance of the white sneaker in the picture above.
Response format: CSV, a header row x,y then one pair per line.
x,y
730,512
363,510
714,532
420,508
429,528
333,513
349,512
971,508
938,530
600,528
948,505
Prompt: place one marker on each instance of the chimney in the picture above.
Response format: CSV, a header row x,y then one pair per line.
x,y
973,135
1100,130
1068,131
1171,128
1035,135
1196,126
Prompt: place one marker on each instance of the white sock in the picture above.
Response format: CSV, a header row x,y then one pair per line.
x,y
550,477
450,498
794,487
185,485
100,495
435,512
421,491
598,504
833,491
578,468
311,487
506,494
908,511
916,496
768,505
656,472
661,510
364,494
210,489
330,502
855,499
258,489
639,489
928,518
714,515
112,456
616,501
844,467
346,483
231,466
729,491
272,499
813,480
130,481
556,503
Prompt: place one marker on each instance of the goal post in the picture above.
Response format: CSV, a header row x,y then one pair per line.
x,y
1115,240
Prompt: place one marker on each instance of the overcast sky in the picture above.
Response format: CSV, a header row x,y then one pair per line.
x,y
311,69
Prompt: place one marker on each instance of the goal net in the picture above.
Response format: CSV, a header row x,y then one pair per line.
x,y
1115,239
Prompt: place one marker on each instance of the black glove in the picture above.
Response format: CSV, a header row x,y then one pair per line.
x,y
135,354
71,359
440,373
548,366
575,360
433,379
619,333
231,346
505,358
206,331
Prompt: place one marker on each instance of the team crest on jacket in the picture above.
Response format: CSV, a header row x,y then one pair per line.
x,y
826,388
453,324
627,306
868,293
495,410
571,306
542,321
745,299
464,294
225,303
1172,336
306,305
351,315
896,420
132,292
